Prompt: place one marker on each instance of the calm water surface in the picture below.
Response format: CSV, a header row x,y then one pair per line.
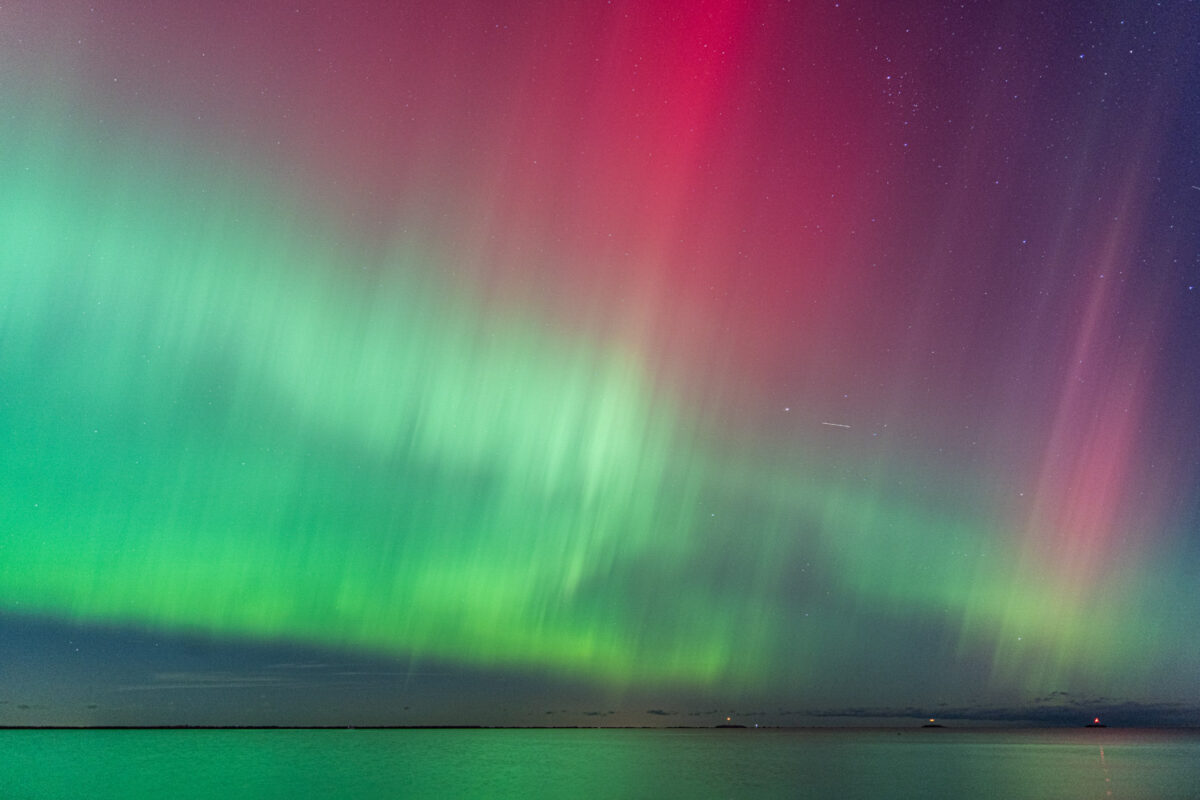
x,y
1156,765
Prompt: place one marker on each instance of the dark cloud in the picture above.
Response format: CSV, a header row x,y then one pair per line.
x,y
295,665
1052,697
207,680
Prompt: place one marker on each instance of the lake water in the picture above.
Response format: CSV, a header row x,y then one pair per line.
x,y
843,764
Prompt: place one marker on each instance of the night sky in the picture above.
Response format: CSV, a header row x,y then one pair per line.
x,y
516,362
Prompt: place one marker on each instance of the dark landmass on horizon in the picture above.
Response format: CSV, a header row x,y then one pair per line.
x,y
1077,713
725,726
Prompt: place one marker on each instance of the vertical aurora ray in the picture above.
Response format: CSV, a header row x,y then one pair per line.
x,y
521,359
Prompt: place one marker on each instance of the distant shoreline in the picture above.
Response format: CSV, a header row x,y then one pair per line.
x,y
725,726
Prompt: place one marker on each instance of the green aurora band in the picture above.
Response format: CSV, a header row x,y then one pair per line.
x,y
221,417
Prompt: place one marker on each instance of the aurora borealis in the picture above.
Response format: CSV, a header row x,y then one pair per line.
x,y
794,355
